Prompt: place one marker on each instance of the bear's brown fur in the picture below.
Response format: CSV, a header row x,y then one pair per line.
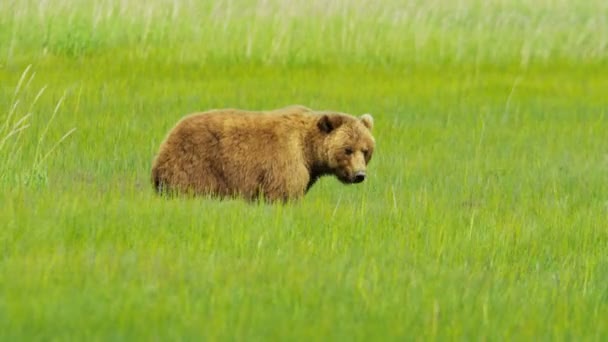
x,y
277,155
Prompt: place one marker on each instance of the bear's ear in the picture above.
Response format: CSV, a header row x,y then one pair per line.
x,y
368,121
328,123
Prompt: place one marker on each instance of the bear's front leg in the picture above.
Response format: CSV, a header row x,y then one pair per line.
x,y
289,186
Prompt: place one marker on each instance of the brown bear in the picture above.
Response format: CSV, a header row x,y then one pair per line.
x,y
276,155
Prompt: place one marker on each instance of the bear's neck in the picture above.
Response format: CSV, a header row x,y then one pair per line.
x,y
316,172
315,158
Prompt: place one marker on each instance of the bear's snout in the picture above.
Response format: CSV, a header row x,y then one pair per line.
x,y
359,177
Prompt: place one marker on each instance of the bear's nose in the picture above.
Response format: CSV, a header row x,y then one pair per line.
x,y
359,177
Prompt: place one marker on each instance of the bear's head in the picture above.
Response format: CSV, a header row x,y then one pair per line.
x,y
348,145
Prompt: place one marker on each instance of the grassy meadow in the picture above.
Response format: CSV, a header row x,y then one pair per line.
x,y
484,216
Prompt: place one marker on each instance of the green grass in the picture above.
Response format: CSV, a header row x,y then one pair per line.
x,y
483,217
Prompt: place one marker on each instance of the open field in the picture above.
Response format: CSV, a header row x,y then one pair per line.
x,y
484,215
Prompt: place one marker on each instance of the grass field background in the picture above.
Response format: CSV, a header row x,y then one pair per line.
x,y
484,216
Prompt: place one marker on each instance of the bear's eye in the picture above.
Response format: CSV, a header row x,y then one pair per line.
x,y
348,151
